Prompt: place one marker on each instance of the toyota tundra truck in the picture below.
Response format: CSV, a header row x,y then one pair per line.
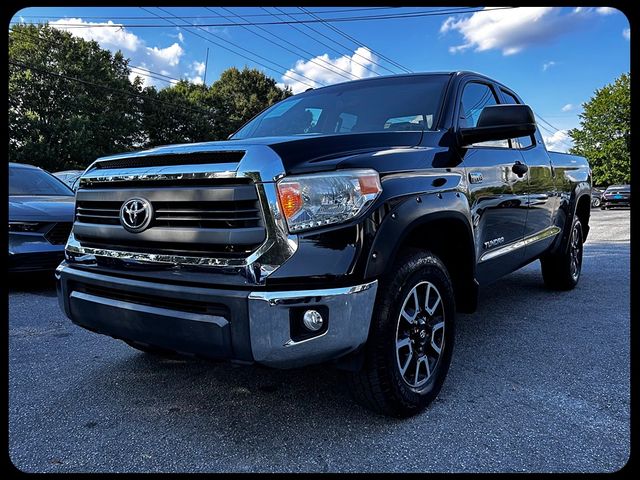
x,y
344,225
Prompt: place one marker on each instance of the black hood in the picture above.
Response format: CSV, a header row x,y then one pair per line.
x,y
41,208
300,153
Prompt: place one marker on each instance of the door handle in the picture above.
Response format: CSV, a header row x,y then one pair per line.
x,y
519,168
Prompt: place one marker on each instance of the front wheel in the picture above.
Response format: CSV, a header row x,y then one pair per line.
x,y
595,203
562,271
410,343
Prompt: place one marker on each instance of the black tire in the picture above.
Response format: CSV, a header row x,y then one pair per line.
x,y
596,202
602,207
151,349
562,271
381,385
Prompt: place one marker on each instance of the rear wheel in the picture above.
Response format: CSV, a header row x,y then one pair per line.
x,y
562,272
411,339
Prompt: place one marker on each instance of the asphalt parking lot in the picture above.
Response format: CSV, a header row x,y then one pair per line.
x,y
539,382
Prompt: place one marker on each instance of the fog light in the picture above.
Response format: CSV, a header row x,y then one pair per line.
x,y
312,320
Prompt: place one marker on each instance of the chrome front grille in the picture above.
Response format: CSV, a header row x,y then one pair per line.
x,y
215,210
218,217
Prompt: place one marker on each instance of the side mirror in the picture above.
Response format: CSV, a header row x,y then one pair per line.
x,y
500,122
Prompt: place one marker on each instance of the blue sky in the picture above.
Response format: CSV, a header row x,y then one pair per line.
x,y
553,57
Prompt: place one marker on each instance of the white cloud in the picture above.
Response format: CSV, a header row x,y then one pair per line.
x,y
198,67
548,65
559,141
169,55
605,10
512,30
325,70
197,71
567,108
107,37
626,33
165,60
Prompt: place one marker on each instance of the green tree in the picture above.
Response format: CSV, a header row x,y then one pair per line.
x,y
181,113
604,135
56,122
239,95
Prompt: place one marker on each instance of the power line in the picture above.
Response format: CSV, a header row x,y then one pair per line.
x,y
338,43
142,17
314,59
563,141
232,51
348,37
251,53
555,128
105,87
289,22
319,41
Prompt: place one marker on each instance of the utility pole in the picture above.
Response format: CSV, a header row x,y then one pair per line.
x,y
206,62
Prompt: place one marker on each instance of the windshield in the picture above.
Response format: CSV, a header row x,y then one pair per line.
x,y
384,105
28,181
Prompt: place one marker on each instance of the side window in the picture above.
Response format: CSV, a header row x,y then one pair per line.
x,y
475,97
524,142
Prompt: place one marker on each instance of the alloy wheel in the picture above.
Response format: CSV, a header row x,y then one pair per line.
x,y
576,252
420,334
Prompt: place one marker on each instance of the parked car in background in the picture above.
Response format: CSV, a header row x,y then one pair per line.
x,y
40,218
70,177
596,197
616,196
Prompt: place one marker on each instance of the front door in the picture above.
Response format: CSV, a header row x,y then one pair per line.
x,y
498,195
543,199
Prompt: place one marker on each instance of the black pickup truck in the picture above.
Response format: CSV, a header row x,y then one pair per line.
x,y
346,224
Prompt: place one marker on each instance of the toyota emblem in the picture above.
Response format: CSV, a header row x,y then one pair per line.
x,y
136,214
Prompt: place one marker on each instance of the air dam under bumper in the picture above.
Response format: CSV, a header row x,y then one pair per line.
x,y
217,323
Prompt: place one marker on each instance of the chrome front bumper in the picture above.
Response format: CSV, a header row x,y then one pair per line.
x,y
235,325
349,316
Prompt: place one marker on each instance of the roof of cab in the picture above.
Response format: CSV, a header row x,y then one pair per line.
x,y
403,75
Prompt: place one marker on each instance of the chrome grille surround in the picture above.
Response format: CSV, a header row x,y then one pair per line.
x,y
259,164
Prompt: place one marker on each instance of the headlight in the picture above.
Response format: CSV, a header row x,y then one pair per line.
x,y
24,226
310,201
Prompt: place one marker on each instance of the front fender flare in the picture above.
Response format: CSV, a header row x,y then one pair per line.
x,y
413,212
